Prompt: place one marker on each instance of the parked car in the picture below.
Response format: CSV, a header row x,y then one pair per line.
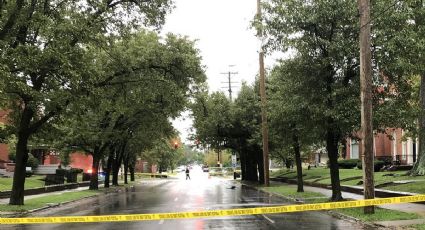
x,y
205,168
28,171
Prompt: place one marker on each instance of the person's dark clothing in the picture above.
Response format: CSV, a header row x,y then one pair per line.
x,y
187,174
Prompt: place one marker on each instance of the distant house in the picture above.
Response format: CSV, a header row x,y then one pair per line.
x,y
4,153
143,166
47,156
389,146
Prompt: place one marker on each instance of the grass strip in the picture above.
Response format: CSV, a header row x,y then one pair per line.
x,y
291,191
47,200
380,214
322,176
418,226
30,182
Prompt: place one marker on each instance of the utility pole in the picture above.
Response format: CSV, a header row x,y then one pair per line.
x,y
229,82
366,103
264,127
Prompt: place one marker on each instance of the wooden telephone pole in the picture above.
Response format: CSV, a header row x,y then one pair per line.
x,y
264,127
366,103
229,74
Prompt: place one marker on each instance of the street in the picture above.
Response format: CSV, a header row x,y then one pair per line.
x,y
199,193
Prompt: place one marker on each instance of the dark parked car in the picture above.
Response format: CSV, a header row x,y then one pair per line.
x,y
205,168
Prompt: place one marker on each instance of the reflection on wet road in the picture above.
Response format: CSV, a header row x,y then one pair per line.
x,y
200,193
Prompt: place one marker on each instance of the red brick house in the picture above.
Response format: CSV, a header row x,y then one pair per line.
x,y
144,167
391,146
4,153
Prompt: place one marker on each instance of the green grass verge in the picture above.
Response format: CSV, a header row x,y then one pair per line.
x,y
43,201
380,214
321,175
418,226
416,187
314,197
30,182
291,191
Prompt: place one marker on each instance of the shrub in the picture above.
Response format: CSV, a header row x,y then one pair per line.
x,y
76,170
377,165
61,172
32,162
348,164
71,175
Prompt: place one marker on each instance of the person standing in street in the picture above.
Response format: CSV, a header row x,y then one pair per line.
x,y
187,173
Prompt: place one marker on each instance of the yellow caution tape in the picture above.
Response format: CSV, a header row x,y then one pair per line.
x,y
213,213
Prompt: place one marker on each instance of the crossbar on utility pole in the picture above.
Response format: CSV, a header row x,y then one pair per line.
x,y
366,103
264,127
230,82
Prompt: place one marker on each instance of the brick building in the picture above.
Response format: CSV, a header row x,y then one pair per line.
x,y
4,153
390,146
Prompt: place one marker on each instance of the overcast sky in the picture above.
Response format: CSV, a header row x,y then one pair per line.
x,y
223,34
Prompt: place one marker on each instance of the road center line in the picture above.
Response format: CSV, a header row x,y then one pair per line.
x,y
176,199
271,221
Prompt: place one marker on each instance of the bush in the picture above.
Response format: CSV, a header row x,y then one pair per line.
x,y
61,172
377,165
75,170
32,162
71,175
348,164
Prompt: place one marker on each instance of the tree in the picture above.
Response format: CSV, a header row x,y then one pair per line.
x,y
398,48
153,86
222,125
45,61
162,154
246,133
321,33
290,112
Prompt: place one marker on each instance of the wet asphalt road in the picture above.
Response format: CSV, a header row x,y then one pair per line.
x,y
200,193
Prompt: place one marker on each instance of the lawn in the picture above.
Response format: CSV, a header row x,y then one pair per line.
x,y
419,227
353,177
379,215
314,197
43,201
291,192
30,182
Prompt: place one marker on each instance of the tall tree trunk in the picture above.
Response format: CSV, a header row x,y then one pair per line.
x,y
126,159
252,168
131,168
419,167
116,166
109,167
94,182
260,165
115,170
242,158
18,187
297,153
332,149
